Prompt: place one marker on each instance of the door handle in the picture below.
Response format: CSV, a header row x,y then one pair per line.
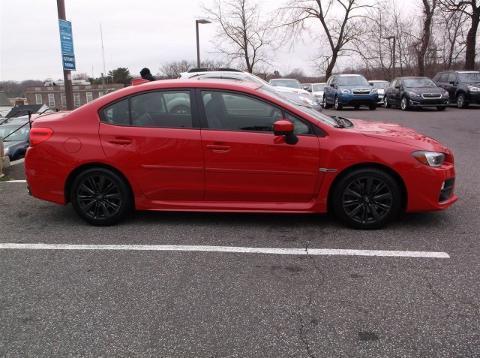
x,y
218,148
120,141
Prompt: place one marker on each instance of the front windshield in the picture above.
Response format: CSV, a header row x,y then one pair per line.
x,y
379,85
283,97
419,83
352,81
20,135
285,83
469,77
318,87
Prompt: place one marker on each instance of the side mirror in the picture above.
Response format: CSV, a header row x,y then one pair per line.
x,y
285,128
452,82
332,85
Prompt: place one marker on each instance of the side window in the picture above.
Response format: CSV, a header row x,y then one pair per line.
x,y
117,113
230,111
163,109
300,126
452,77
443,77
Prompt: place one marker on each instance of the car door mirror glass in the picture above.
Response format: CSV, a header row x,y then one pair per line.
x,y
285,128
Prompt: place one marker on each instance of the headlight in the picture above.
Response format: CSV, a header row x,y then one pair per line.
x,y
432,159
446,94
414,94
346,91
474,89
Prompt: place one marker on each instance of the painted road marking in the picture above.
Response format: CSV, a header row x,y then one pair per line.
x,y
15,162
14,181
229,249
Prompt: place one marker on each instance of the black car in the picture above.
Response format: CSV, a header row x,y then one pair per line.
x,y
15,139
463,86
410,92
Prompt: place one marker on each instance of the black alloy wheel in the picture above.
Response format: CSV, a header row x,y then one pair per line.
x,y
101,197
367,199
405,104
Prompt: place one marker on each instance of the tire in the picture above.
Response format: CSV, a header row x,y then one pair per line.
x,y
324,103
462,101
373,106
338,106
385,103
441,108
89,197
404,104
366,199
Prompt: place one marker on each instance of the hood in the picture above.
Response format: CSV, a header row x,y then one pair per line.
x,y
12,143
425,89
396,133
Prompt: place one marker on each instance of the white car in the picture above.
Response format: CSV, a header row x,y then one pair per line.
x,y
296,95
316,89
380,86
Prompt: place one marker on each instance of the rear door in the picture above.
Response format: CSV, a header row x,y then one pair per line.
x,y
245,162
153,138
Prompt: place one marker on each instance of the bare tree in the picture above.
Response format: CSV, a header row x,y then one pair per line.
x,y
471,8
451,29
176,68
243,35
429,7
339,20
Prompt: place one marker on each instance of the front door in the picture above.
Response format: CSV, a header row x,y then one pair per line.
x,y
245,162
150,137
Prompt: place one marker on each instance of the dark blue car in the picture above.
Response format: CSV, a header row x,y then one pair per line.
x,y
349,90
15,139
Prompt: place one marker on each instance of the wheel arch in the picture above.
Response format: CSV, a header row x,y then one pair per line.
x,y
71,177
369,165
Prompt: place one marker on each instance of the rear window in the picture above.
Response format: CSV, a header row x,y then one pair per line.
x,y
163,109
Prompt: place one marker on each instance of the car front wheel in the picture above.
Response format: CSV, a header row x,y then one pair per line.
x,y
385,103
338,105
101,197
324,103
405,104
366,199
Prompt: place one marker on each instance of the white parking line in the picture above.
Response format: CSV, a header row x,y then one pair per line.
x,y
229,249
15,162
14,181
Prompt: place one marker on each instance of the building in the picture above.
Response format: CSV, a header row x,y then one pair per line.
x,y
5,105
54,96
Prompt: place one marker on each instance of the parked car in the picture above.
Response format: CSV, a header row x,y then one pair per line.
x,y
267,155
463,87
15,138
4,159
317,89
380,86
297,95
409,92
349,90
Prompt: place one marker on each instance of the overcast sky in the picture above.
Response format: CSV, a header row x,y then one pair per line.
x,y
137,34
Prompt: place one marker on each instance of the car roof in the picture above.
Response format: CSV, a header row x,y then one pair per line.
x,y
350,74
377,81
467,71
411,77
282,79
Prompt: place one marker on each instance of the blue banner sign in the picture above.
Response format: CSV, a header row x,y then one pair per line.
x,y
66,41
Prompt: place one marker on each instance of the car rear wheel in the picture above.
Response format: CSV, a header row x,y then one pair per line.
x,y
338,105
461,101
367,199
101,197
404,104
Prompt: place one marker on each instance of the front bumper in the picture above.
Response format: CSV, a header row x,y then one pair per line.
x,y
428,102
357,100
474,98
430,189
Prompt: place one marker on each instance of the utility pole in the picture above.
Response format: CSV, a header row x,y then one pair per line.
x,y
67,74
197,22
394,38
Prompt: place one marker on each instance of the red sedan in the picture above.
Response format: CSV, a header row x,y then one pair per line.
x,y
222,146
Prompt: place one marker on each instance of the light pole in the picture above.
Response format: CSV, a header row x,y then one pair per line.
x,y
67,74
393,51
197,22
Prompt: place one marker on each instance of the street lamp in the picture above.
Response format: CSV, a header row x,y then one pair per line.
x,y
199,21
393,51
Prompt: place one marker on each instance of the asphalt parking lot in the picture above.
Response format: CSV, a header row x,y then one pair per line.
x,y
233,304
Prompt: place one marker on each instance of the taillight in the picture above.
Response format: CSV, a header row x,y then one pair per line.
x,y
39,135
